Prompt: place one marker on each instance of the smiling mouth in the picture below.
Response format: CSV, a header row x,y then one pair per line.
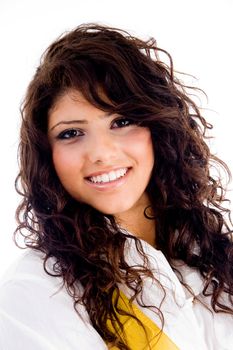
x,y
108,177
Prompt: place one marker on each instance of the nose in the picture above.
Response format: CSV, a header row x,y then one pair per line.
x,y
102,149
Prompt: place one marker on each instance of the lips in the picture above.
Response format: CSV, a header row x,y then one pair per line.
x,y
105,171
108,184
108,177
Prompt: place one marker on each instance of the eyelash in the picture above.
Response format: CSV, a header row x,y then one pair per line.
x,y
131,122
72,133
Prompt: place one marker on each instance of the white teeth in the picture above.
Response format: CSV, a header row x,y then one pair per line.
x,y
108,177
112,176
118,173
104,178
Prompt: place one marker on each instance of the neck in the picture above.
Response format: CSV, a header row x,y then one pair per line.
x,y
136,223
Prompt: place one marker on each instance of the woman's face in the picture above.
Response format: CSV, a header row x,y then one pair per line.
x,y
102,160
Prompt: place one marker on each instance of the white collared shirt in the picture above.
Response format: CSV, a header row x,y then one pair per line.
x,y
36,312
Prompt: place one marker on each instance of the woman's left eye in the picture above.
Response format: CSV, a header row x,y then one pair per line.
x,y
122,122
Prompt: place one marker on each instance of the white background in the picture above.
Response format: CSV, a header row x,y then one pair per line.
x,y
198,34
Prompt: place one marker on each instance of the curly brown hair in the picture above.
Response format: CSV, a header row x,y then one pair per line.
x,y
185,198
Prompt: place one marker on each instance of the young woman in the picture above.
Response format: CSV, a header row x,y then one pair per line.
x,y
128,244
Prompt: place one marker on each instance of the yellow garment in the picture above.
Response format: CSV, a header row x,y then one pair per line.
x,y
134,333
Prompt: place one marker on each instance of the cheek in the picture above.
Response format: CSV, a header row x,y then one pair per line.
x,y
139,144
65,163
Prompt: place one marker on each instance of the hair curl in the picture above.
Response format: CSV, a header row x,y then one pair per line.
x,y
185,198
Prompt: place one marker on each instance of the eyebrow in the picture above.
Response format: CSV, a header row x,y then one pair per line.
x,y
77,121
67,122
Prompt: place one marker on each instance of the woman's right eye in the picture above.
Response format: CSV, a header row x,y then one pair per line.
x,y
69,134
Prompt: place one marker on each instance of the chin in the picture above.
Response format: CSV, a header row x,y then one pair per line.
x,y
114,210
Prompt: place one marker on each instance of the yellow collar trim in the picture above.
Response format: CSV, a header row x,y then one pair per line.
x,y
134,333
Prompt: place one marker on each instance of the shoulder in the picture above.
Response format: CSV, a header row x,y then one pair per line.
x,y
26,279
213,325
36,309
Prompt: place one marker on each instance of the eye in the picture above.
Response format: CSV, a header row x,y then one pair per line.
x,y
69,134
122,122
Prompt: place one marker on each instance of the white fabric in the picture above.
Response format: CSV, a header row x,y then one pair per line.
x,y
188,322
36,312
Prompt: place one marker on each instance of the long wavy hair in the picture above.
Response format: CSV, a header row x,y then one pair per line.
x,y
186,199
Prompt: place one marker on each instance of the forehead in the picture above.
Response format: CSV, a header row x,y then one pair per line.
x,y
75,96
68,98
73,107
71,104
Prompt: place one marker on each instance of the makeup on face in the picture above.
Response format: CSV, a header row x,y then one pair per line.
x,y
101,159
